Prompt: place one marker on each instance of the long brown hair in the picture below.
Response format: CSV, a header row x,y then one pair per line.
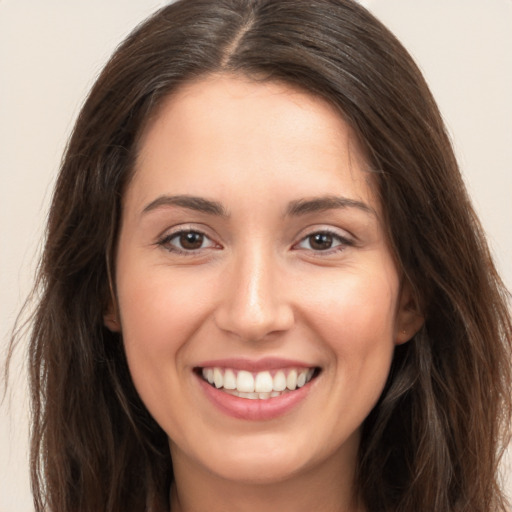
x,y
434,440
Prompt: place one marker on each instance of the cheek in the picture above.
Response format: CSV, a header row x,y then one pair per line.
x,y
159,315
355,323
356,309
159,309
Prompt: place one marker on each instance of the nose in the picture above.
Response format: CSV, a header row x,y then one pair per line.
x,y
253,301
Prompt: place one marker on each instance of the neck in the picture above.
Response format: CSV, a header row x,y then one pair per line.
x,y
329,488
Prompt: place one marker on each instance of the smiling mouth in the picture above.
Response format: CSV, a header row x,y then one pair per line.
x,y
258,385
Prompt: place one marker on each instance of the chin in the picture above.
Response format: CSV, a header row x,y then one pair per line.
x,y
269,459
263,469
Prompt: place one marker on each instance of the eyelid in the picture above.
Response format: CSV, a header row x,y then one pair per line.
x,y
170,233
345,239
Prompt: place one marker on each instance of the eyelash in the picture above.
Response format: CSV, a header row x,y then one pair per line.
x,y
165,242
343,242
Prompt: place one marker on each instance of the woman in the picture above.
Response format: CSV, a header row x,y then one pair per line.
x,y
260,198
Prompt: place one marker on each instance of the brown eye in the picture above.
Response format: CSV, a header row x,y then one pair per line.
x,y
320,241
324,241
186,241
191,240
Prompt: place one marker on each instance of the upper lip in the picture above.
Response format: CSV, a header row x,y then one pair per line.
x,y
255,365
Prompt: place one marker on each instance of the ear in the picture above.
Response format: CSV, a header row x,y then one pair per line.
x,y
111,317
409,318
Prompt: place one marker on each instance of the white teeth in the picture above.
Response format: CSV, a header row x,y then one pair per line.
x,y
291,380
245,382
259,385
208,374
218,378
279,383
263,383
229,380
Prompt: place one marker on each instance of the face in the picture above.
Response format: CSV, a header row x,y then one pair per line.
x,y
258,300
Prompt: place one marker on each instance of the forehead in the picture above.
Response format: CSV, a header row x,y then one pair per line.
x,y
222,131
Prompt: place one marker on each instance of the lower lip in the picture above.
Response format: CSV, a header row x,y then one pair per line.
x,y
258,409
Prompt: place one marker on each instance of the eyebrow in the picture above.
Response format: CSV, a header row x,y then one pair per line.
x,y
199,204
320,204
295,208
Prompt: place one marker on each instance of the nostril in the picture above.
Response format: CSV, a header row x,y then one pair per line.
x,y
257,325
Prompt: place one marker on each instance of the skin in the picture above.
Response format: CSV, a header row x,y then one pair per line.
x,y
257,286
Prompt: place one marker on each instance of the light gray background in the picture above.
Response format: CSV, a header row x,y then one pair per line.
x,y
50,53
